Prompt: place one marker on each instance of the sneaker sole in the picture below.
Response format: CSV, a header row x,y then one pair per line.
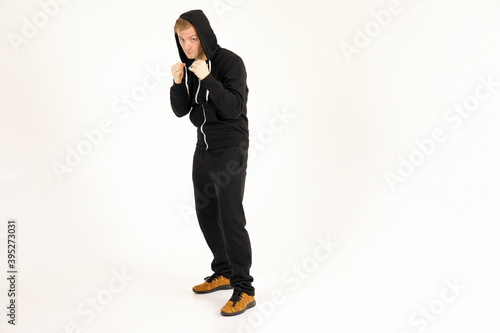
x,y
249,306
225,287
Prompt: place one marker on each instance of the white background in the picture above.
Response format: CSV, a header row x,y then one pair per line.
x,y
128,206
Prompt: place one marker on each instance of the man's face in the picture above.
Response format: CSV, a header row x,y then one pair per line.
x,y
190,43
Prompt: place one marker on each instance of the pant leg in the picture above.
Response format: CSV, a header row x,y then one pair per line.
x,y
207,211
227,170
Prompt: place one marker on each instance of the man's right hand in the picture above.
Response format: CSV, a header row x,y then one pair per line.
x,y
178,72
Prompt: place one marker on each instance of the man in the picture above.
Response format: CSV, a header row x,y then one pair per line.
x,y
210,85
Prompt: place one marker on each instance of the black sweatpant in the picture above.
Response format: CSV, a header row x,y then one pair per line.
x,y
219,183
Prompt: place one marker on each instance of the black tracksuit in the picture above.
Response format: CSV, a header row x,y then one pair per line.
x,y
217,107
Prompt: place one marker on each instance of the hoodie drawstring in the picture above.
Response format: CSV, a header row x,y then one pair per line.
x,y
196,100
206,101
187,86
209,70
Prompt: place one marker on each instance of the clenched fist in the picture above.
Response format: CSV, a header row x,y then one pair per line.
x,y
178,72
200,69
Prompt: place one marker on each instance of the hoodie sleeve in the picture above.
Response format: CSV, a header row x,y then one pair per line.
x,y
230,95
179,99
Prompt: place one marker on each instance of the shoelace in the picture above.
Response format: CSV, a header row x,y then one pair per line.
x,y
237,294
212,277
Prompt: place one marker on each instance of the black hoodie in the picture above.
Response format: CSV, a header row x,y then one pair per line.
x,y
217,105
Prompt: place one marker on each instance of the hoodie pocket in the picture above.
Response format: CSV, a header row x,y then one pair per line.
x,y
211,115
196,115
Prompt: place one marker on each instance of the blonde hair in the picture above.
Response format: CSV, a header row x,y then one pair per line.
x,y
182,24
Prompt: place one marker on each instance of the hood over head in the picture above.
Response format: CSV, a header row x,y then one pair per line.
x,y
205,33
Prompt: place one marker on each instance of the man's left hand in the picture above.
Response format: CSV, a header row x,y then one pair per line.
x,y
200,69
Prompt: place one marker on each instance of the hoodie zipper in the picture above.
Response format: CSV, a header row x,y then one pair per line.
x,y
206,101
204,114
201,128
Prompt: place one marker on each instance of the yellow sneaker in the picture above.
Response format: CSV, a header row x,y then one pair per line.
x,y
213,283
238,303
